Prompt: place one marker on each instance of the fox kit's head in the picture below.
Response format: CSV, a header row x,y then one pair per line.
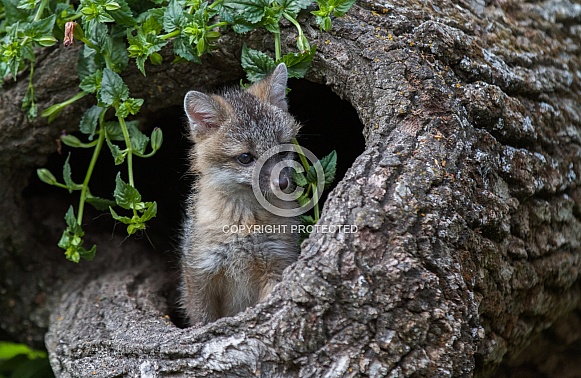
x,y
233,130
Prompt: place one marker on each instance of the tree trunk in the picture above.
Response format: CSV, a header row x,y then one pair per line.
x,y
466,205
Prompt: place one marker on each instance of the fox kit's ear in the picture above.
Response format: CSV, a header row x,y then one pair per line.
x,y
205,113
272,89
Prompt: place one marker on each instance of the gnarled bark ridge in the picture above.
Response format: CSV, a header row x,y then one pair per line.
x,y
466,202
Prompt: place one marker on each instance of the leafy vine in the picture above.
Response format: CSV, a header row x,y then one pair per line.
x,y
114,32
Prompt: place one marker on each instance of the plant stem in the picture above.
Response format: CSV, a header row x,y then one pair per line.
x,y
217,25
75,17
174,33
30,86
145,156
277,53
76,97
316,208
90,44
294,22
57,107
129,149
302,157
85,189
40,10
215,3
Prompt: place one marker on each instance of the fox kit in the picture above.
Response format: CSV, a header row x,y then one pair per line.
x,y
226,265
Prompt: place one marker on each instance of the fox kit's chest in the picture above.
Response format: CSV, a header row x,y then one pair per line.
x,y
233,250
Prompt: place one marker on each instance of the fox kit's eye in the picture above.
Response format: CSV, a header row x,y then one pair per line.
x,y
245,159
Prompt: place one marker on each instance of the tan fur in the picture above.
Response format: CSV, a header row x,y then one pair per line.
x,y
223,273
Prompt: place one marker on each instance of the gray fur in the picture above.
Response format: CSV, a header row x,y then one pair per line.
x,y
223,272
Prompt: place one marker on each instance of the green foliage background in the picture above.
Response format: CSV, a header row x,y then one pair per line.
x,y
19,361
115,33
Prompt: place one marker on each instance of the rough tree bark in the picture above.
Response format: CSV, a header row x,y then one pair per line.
x,y
466,201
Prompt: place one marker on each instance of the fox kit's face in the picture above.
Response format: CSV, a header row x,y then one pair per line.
x,y
234,130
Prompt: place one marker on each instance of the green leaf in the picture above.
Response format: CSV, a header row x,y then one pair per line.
x,y
103,11
113,90
72,240
292,7
118,155
298,63
142,45
90,120
311,175
256,64
70,218
99,203
28,103
116,49
40,28
152,24
131,106
122,14
299,179
150,211
125,195
340,7
135,223
71,222
113,130
86,64
88,254
117,217
329,164
139,141
303,200
324,22
185,50
134,227
13,13
250,11
71,186
174,17
97,33
32,111
337,8
27,4
140,62
307,220
92,82
9,350
46,176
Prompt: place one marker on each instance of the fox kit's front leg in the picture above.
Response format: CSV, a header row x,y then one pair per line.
x,y
199,299
223,274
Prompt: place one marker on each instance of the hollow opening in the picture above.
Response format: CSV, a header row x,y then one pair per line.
x,y
329,123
